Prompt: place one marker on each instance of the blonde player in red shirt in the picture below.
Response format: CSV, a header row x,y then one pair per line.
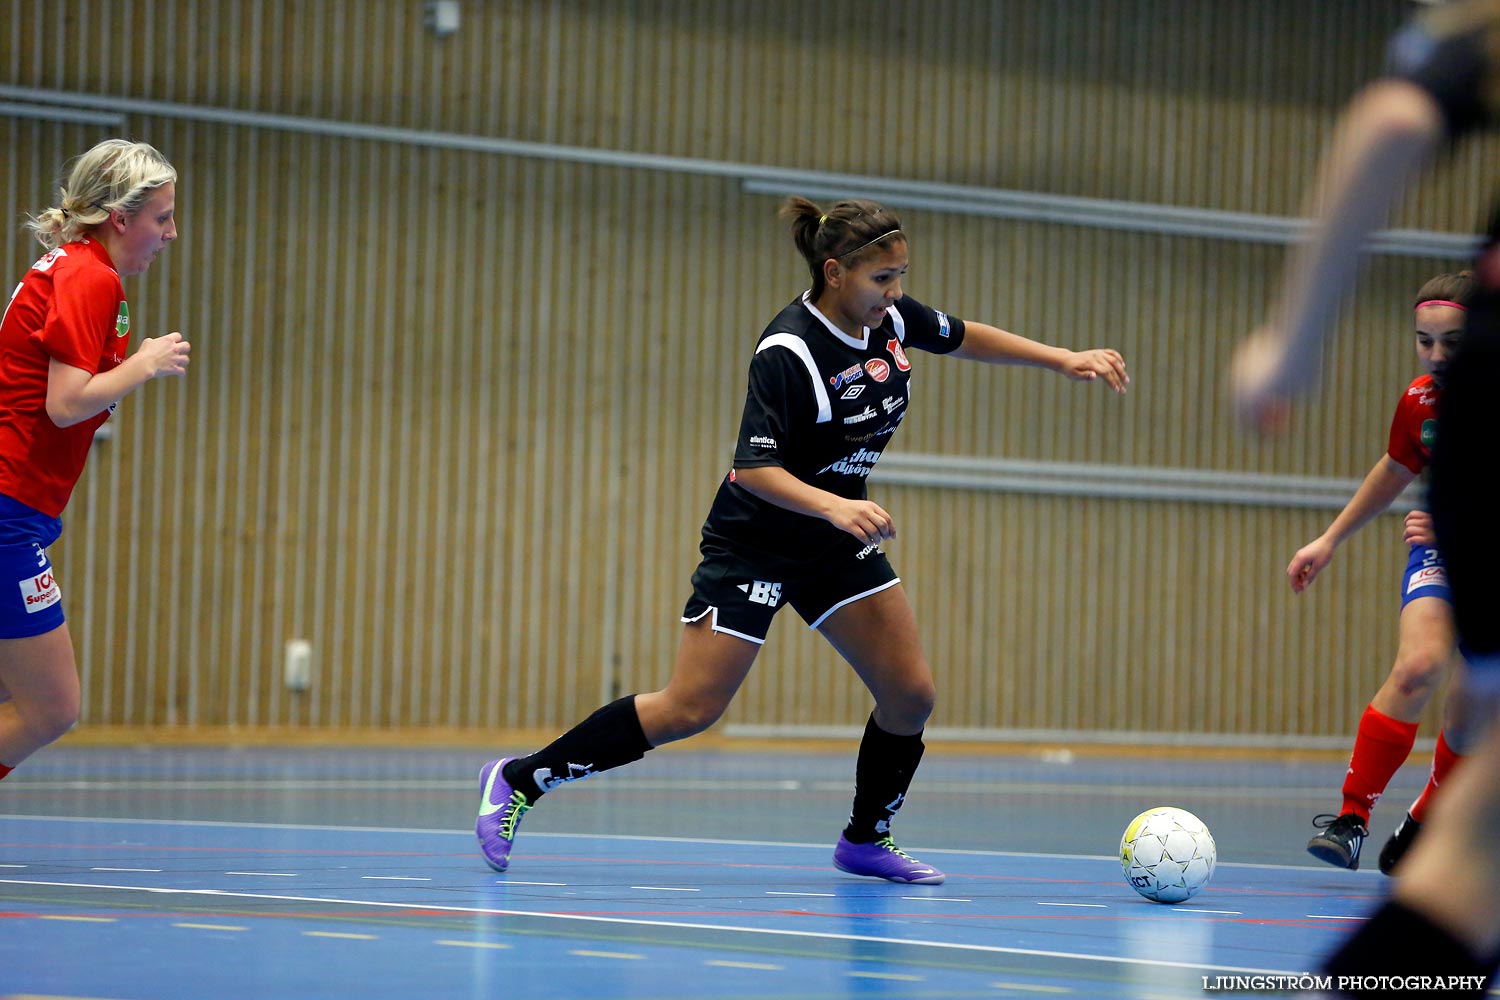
x,y
63,367
1428,640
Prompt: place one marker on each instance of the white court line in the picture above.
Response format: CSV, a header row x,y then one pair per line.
x,y
939,899
1100,906
516,881
399,878
622,838
665,888
1194,909
1332,916
989,949
774,892
377,784
266,874
15,866
157,870
1048,788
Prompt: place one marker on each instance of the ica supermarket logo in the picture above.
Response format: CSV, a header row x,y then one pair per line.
x,y
122,321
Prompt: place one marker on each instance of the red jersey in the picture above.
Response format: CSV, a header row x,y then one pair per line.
x,y
70,306
1415,423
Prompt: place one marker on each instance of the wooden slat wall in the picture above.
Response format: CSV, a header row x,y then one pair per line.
x,y
455,418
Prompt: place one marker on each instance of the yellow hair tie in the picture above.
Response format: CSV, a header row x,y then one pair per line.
x,y
822,218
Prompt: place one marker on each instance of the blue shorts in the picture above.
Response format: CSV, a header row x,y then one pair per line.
x,y
35,606
1424,576
739,599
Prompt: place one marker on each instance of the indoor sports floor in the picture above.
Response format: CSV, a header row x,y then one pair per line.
x,y
164,873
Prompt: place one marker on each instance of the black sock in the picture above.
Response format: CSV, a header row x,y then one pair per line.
x,y
610,737
882,775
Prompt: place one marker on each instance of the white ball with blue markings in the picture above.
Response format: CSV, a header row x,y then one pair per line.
x,y
1167,854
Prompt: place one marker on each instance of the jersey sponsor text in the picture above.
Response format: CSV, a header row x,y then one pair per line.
x,y
40,592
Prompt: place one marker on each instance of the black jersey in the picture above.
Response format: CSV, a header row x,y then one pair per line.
x,y
822,405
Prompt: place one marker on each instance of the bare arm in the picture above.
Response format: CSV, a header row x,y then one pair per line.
x,y
1382,485
74,394
995,346
1386,135
863,519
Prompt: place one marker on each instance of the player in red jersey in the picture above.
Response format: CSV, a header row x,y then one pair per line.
x,y
1428,642
63,367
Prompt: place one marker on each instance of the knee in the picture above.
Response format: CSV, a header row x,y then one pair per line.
x,y
51,724
909,708
680,719
1419,669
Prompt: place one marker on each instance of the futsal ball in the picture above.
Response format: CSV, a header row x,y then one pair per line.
x,y
1167,854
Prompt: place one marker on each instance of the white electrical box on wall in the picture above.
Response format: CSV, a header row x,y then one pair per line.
x,y
297,669
441,17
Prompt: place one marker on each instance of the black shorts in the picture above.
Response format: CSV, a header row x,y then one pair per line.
x,y
741,595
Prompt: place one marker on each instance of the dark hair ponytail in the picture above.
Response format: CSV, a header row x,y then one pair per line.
x,y
844,232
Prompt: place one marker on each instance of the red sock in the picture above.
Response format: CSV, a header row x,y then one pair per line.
x,y
1380,748
1443,759
4,771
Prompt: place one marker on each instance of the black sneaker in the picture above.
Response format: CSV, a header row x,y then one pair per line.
x,y
1395,848
1340,841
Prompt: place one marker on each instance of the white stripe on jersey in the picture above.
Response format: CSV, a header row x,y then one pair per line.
x,y
798,346
899,322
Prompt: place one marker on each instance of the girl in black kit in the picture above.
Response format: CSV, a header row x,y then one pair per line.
x,y
791,524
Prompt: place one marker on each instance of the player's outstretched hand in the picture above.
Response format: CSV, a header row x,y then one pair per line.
x,y
863,519
1262,378
1105,363
1419,529
165,355
1308,563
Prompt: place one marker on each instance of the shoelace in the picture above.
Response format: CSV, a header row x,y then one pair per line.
x,y
512,813
1323,821
889,844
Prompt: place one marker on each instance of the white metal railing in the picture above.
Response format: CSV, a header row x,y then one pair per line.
x,y
1124,482
1103,213
51,113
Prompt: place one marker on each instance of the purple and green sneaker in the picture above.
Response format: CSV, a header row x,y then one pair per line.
x,y
500,810
883,859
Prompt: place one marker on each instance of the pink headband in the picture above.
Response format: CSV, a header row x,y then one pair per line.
x,y
1443,302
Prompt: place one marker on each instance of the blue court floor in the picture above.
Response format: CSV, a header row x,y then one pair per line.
x,y
172,873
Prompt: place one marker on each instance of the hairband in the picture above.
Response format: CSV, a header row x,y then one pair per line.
x,y
1443,302
857,249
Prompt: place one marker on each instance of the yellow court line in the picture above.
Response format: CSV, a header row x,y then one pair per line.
x,y
337,934
744,965
82,920
902,977
211,927
473,944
